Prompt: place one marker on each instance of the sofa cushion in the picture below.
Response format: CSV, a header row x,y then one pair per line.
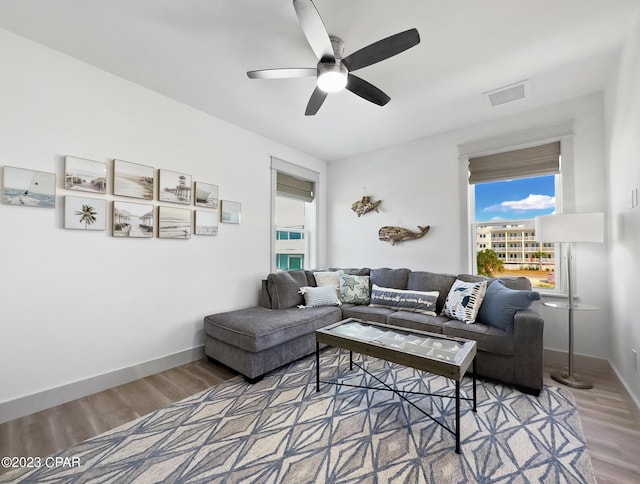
x,y
394,278
284,288
367,313
421,322
500,304
354,289
431,281
319,296
255,329
489,339
404,300
464,300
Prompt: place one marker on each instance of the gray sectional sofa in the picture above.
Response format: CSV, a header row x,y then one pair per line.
x,y
256,340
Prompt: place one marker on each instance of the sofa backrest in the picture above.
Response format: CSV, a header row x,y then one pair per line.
x,y
431,281
510,282
393,278
280,289
352,271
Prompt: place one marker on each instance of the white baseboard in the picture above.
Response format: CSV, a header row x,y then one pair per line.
x,y
632,397
36,402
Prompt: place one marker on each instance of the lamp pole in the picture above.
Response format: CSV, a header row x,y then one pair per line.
x,y
569,378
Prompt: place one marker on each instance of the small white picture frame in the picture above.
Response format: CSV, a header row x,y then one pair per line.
x,y
231,212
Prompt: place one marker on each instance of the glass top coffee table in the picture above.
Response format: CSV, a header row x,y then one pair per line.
x,y
430,352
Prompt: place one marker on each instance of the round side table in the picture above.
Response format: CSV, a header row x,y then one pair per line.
x,y
569,378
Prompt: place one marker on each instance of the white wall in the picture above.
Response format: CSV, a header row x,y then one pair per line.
x,y
414,182
420,184
78,304
623,154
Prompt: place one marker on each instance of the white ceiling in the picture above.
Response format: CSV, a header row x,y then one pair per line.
x,y
198,51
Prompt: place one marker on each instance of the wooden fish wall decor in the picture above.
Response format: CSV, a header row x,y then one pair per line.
x,y
365,205
397,234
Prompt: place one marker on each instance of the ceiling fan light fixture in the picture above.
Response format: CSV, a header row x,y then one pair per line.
x,y
334,71
331,77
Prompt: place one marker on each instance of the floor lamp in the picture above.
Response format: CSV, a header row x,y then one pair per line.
x,y
569,228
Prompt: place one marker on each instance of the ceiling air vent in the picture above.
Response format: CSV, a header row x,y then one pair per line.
x,y
507,94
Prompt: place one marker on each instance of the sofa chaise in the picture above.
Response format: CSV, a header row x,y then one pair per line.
x,y
281,329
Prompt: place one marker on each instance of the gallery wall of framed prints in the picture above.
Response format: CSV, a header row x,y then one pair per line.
x,y
184,206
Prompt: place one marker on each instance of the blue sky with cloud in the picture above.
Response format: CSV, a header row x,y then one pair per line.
x,y
515,199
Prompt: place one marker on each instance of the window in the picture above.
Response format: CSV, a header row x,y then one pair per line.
x,y
293,216
293,233
290,224
507,191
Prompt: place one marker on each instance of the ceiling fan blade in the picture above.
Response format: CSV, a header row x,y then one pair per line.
x,y
367,91
316,100
381,50
314,29
282,73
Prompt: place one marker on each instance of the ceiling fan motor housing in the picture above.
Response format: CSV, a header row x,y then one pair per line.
x,y
332,76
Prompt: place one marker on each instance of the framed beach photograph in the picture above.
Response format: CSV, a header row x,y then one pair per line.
x,y
133,180
231,212
174,187
85,175
133,220
28,188
82,213
206,195
206,222
174,223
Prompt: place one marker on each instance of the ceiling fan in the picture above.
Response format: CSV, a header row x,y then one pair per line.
x,y
333,71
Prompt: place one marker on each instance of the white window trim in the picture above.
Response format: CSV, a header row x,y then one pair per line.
x,y
565,193
311,210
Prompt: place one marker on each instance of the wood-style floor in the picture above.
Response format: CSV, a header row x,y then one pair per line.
x,y
610,420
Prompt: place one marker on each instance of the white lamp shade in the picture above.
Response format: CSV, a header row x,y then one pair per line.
x,y
570,227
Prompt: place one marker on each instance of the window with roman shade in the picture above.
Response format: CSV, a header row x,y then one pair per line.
x,y
522,163
508,189
294,205
292,187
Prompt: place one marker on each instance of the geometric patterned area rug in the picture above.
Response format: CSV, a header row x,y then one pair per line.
x,y
280,430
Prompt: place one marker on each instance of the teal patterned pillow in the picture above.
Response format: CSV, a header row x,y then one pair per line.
x,y
354,289
464,300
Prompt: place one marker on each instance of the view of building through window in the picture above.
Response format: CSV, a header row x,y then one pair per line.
x,y
505,238
290,234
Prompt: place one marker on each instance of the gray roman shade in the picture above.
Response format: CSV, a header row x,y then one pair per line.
x,y
527,162
292,187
